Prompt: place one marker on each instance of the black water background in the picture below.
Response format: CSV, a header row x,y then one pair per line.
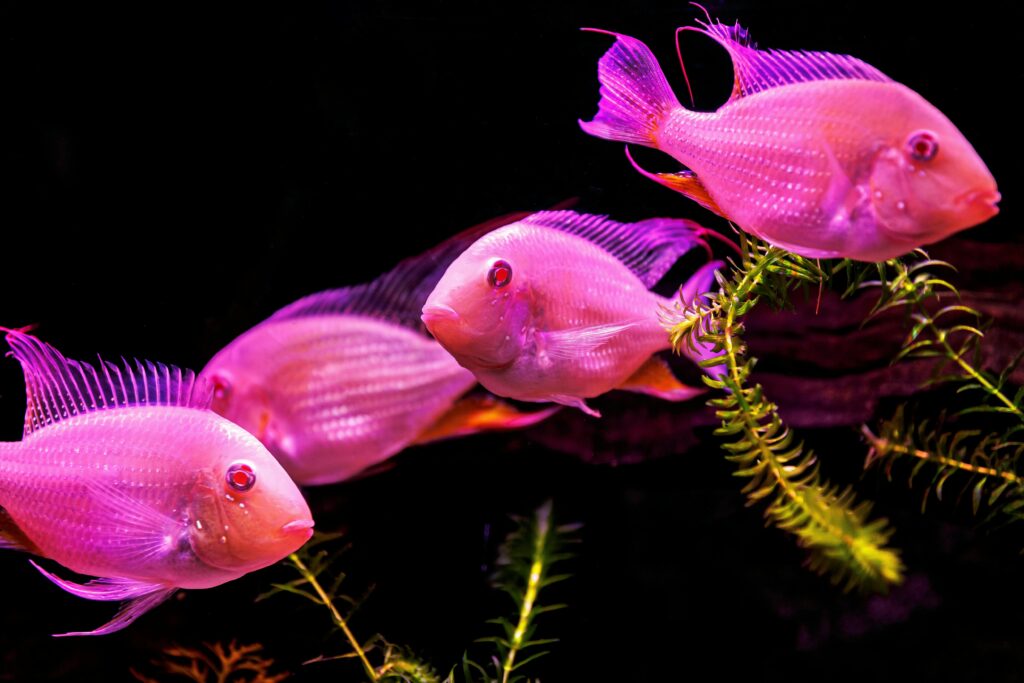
x,y
172,175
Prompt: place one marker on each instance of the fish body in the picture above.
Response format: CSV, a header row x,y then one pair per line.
x,y
125,474
557,307
818,153
330,395
341,380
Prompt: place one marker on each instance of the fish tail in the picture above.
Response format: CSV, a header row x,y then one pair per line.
x,y
635,97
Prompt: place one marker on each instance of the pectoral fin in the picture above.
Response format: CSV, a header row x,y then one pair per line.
x,y
572,343
141,597
656,379
684,182
480,413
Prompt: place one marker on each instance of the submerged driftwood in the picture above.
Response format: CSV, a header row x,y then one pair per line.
x,y
824,369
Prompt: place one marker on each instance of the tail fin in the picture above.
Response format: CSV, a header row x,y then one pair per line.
x,y
635,97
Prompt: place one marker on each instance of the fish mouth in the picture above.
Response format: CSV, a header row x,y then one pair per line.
x,y
987,200
299,527
438,312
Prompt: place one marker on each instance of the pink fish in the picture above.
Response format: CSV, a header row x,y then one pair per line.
x,y
820,154
556,307
342,380
125,474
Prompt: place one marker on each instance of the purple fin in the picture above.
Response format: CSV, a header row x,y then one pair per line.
x,y
635,97
142,596
398,295
758,70
648,248
58,388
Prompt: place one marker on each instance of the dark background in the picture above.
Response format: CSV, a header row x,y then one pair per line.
x,y
172,175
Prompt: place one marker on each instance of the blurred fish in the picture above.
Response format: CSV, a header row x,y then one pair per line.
x,y
820,154
556,307
342,380
125,474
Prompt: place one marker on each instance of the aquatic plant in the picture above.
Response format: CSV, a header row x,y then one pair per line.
x,y
826,519
215,663
984,452
525,560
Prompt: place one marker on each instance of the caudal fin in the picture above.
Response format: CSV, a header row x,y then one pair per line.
x,y
635,97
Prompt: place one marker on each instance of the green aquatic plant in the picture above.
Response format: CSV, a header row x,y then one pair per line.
x,y
981,443
524,564
215,663
825,518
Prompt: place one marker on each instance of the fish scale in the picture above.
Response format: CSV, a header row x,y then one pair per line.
x,y
125,474
818,153
572,316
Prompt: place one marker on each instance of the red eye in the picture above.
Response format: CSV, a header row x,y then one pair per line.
x,y
240,477
923,146
500,273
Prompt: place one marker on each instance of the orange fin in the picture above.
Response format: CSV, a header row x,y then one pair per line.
x,y
655,378
13,538
478,414
685,183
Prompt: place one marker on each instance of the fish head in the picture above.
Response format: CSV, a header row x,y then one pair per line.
x,y
928,182
246,511
479,309
239,392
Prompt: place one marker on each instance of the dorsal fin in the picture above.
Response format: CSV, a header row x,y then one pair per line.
x,y
398,295
57,388
648,248
758,70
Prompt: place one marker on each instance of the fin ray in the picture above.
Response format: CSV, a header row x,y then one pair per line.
x,y
58,388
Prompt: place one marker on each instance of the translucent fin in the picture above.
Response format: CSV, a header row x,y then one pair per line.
x,y
758,70
58,388
572,343
144,534
574,402
142,597
635,97
475,414
685,183
656,379
648,248
398,295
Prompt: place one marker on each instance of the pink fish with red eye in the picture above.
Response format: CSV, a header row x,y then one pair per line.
x,y
125,474
341,380
818,153
556,307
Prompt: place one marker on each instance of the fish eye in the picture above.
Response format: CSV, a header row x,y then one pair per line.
x,y
240,477
922,145
221,387
500,273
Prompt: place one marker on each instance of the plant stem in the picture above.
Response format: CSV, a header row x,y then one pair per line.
x,y
532,588
884,446
338,619
752,425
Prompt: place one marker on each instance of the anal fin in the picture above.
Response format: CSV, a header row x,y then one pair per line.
x,y
480,413
656,379
141,597
685,183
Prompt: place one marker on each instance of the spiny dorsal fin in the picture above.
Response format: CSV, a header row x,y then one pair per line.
x,y
648,248
758,70
398,295
57,388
